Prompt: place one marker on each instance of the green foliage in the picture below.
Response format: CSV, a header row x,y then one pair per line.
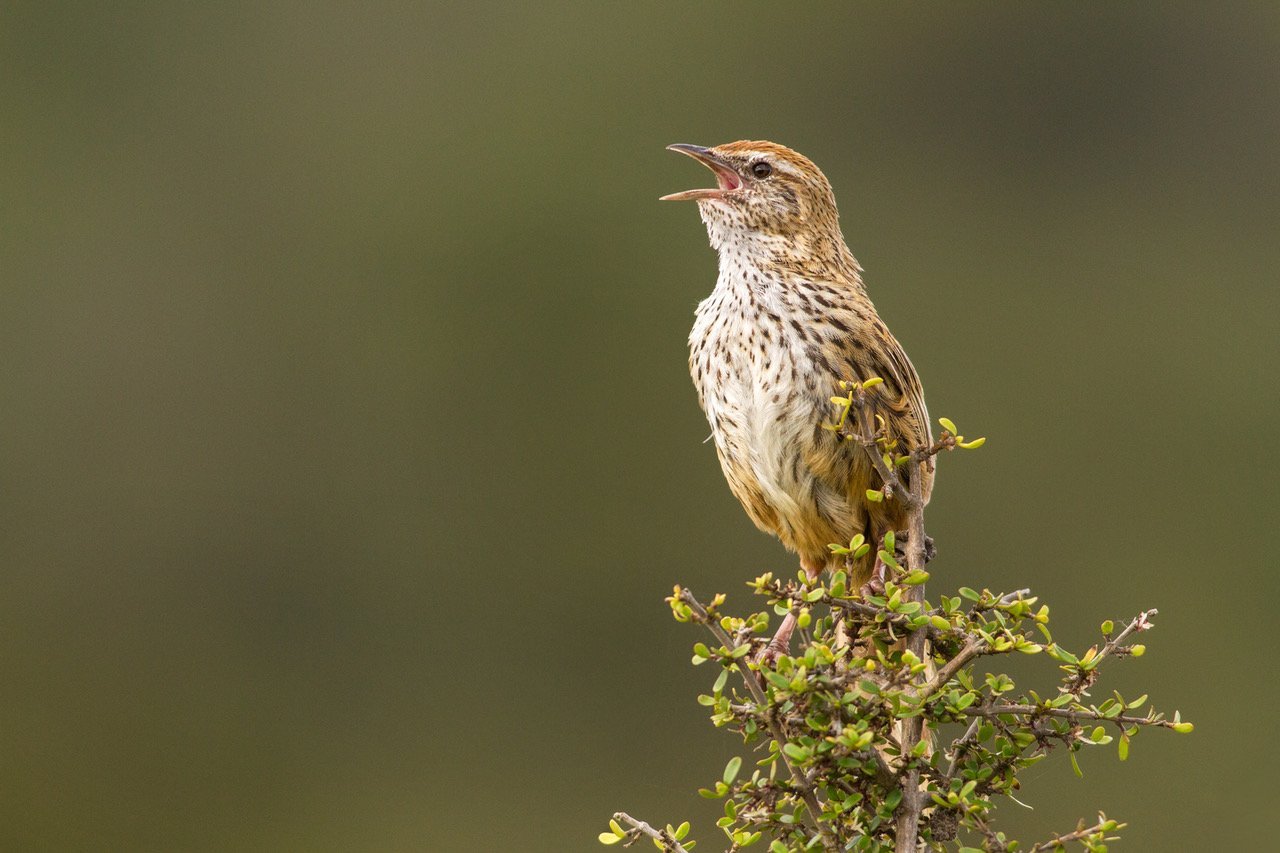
x,y
881,732
827,722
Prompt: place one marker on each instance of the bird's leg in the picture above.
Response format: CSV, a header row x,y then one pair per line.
x,y
781,642
875,584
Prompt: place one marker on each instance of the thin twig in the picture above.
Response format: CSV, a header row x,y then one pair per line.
x,y
1141,622
958,745
1072,715
1062,840
867,437
639,827
971,650
1087,674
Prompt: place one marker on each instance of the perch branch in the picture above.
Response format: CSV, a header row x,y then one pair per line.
x,y
911,499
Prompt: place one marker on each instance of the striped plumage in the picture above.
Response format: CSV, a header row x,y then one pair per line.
x,y
788,319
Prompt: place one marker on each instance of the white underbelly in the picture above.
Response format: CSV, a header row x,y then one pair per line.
x,y
764,433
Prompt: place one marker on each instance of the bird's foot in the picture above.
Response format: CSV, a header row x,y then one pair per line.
x,y
900,550
770,652
779,645
875,584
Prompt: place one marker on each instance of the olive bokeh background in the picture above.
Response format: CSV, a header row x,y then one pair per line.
x,y
349,448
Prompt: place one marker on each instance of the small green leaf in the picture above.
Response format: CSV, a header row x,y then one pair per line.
x,y
949,425
608,838
1183,728
731,770
1108,627
875,496
796,751
1057,652
778,680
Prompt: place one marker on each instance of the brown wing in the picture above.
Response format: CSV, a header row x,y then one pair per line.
x,y
857,345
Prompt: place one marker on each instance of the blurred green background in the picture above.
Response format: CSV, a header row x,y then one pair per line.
x,y
349,448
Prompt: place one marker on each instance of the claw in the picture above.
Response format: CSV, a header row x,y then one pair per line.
x,y
899,550
875,584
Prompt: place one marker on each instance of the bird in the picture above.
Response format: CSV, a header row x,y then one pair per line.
x,y
788,321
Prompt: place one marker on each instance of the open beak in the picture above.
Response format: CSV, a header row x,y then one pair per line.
x,y
726,177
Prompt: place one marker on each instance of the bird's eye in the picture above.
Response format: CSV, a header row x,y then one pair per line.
x,y
761,169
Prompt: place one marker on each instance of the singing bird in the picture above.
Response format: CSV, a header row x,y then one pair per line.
x,y
789,318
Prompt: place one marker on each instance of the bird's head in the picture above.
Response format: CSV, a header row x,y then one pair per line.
x,y
762,189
